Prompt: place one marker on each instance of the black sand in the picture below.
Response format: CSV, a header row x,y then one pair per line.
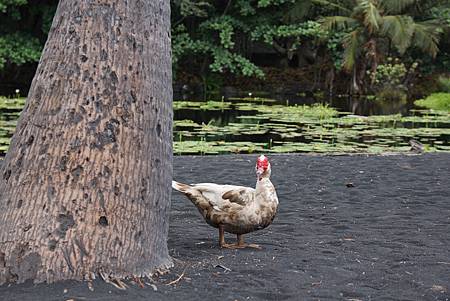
x,y
386,238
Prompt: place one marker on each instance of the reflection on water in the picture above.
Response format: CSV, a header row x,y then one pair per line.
x,y
355,105
261,125
290,124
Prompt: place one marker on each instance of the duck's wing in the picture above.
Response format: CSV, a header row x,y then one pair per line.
x,y
224,196
240,195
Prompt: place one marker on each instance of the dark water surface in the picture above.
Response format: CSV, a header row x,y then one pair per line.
x,y
356,125
290,123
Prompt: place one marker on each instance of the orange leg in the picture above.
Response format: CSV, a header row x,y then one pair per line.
x,y
241,244
240,241
221,237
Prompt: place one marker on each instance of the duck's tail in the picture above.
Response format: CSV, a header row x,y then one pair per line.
x,y
193,195
181,187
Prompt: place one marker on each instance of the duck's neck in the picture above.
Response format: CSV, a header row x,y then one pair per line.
x,y
263,183
265,191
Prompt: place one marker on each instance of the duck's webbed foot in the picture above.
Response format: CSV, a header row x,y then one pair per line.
x,y
239,245
230,246
254,246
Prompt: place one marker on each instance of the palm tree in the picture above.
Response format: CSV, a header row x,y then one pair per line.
x,y
374,27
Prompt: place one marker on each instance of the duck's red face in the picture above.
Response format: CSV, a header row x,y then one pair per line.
x,y
262,165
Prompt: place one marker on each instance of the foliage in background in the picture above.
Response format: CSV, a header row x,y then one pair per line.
x,y
436,101
224,37
391,79
23,30
5,3
444,84
376,28
19,49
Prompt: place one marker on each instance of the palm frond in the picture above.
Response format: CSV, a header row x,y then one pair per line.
x,y
341,8
194,8
298,11
370,13
426,37
399,29
338,23
396,6
352,48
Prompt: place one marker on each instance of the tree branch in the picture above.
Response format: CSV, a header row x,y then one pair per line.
x,y
227,7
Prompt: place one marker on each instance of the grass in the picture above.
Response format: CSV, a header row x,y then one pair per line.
x,y
436,101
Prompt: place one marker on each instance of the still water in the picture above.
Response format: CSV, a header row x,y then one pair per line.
x,y
290,123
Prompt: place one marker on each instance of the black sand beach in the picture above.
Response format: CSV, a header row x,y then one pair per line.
x,y
384,237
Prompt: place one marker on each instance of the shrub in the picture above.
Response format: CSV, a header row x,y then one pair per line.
x,y
436,101
444,84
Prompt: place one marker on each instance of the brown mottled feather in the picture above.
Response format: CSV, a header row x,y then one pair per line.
x,y
235,196
238,209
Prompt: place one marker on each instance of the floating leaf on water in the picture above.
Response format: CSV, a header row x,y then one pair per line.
x,y
316,128
210,105
253,99
12,103
185,123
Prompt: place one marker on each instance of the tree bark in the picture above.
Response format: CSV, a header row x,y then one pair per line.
x,y
85,186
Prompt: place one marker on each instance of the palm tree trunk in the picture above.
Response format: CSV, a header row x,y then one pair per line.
x,y
85,186
354,88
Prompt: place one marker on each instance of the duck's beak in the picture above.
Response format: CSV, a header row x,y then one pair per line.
x,y
259,172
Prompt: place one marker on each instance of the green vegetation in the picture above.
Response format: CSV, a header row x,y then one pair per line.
x,y
216,41
390,80
276,128
264,125
444,84
381,48
351,37
24,25
369,24
11,103
19,49
201,105
436,101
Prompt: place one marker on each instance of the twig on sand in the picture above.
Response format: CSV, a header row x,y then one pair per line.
x,y
118,283
90,285
179,277
178,260
114,281
138,281
223,267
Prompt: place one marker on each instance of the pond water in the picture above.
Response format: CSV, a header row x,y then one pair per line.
x,y
9,113
290,124
343,103
304,125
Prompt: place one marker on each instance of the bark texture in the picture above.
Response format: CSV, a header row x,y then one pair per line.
x,y
85,186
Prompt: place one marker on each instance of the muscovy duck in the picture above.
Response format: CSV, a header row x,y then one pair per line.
x,y
235,209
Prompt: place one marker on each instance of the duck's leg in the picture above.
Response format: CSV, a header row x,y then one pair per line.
x,y
222,243
240,241
241,244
